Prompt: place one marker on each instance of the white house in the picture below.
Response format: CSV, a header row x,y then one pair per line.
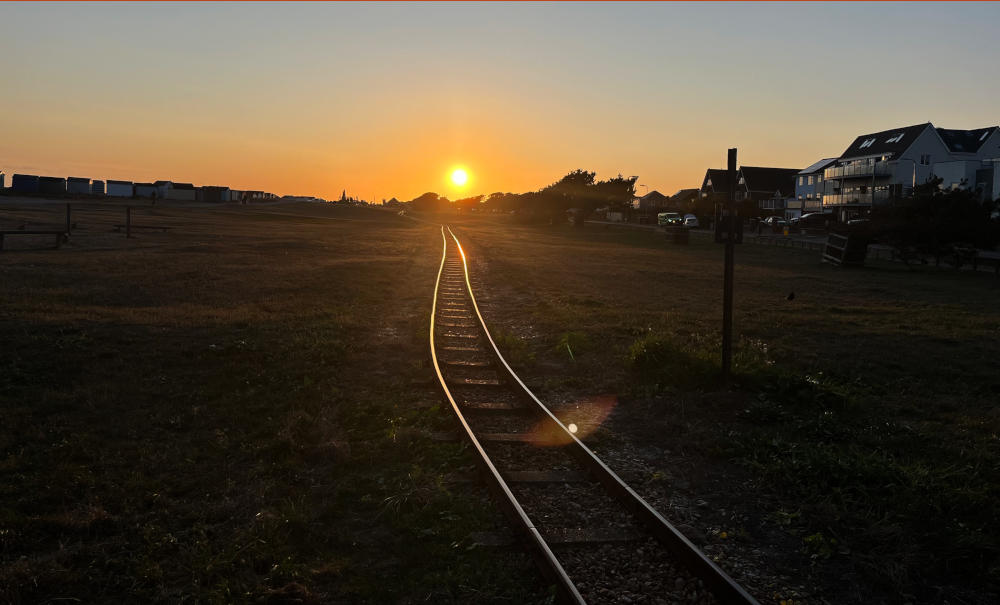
x,y
881,166
120,188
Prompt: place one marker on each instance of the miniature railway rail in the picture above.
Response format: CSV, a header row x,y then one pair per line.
x,y
578,518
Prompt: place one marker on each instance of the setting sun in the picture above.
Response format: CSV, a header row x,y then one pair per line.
x,y
459,177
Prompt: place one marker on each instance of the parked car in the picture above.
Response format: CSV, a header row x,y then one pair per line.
x,y
669,218
691,221
816,220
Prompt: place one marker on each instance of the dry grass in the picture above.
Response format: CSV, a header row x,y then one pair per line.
x,y
866,405
211,414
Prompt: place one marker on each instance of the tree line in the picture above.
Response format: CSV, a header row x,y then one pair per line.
x,y
578,191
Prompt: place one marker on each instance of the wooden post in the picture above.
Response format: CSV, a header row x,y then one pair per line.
x,y
69,225
128,221
727,287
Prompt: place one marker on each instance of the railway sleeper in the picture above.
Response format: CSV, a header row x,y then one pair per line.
x,y
494,406
589,535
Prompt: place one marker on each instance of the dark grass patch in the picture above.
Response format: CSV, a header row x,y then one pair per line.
x,y
232,426
861,417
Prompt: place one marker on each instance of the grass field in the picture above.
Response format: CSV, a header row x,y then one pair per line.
x,y
862,423
237,409
234,410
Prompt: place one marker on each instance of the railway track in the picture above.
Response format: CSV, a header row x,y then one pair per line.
x,y
592,535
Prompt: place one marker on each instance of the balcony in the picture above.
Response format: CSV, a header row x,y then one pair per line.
x,y
858,170
840,199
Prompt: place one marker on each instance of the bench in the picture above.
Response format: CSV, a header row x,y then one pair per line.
x,y
61,236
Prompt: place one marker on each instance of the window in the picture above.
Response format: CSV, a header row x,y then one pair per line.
x,y
802,181
811,180
819,178
925,159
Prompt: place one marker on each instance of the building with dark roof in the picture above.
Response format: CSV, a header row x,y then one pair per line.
x,y
715,185
653,201
879,167
758,188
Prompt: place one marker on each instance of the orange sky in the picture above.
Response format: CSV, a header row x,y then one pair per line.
x,y
384,100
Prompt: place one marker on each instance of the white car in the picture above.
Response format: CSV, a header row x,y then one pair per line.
x,y
690,220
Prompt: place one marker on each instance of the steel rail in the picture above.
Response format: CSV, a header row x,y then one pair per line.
x,y
540,549
717,580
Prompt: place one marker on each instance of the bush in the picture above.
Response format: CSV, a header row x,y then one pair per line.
x,y
662,360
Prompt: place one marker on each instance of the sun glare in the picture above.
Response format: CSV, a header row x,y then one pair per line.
x,y
459,177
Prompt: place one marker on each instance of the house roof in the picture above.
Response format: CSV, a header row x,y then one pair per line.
x,y
112,182
719,178
145,185
965,141
892,142
818,166
161,183
183,186
759,178
77,179
684,194
654,197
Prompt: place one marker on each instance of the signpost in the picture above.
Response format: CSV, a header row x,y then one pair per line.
x,y
727,288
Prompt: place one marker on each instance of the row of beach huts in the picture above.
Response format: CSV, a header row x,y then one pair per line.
x,y
30,184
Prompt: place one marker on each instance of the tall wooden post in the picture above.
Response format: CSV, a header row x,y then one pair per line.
x,y
69,224
128,221
727,288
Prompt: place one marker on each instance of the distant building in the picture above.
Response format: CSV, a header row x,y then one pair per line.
x,y
97,188
53,185
765,190
652,202
24,183
78,185
146,190
120,189
210,193
162,187
715,185
809,189
2,175
184,192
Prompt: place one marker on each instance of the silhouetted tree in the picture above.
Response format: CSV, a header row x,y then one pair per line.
x,y
468,203
429,202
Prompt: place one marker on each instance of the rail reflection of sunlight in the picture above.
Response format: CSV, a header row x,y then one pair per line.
x,y
581,418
